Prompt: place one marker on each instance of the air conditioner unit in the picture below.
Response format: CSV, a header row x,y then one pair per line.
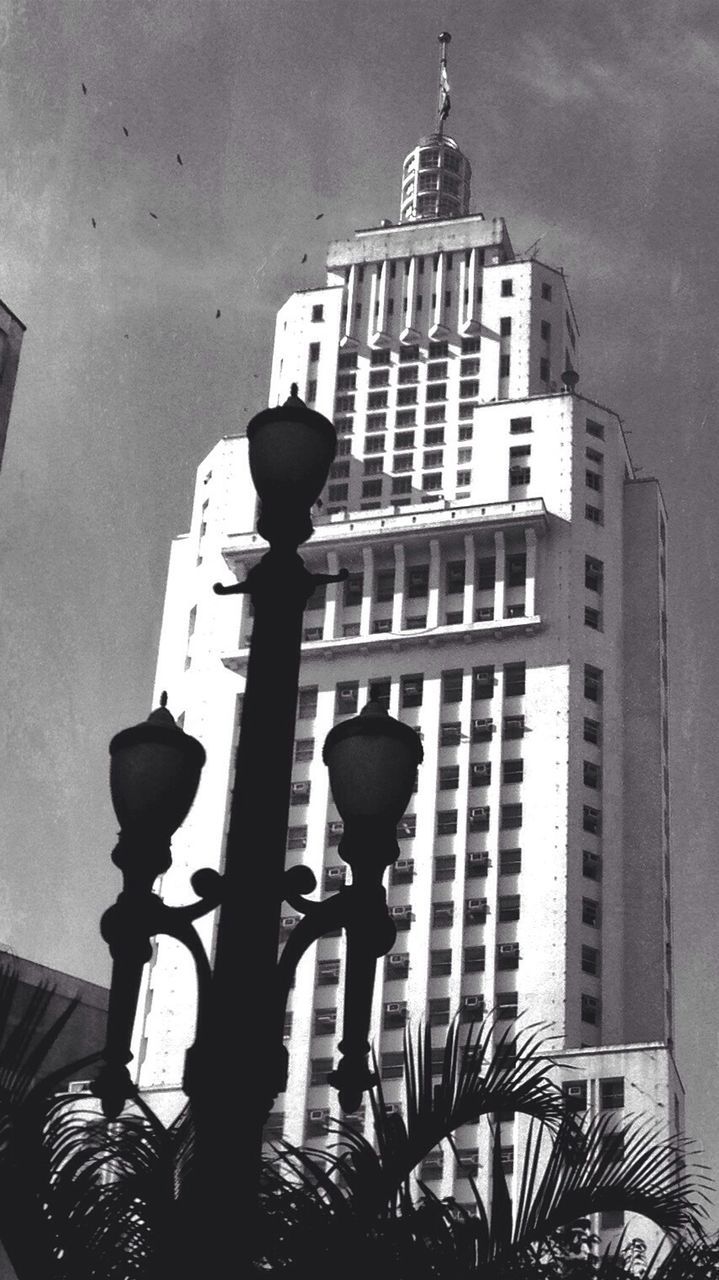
x,y
393,1006
336,873
289,922
476,904
433,1160
404,864
412,686
400,912
79,1086
575,1091
472,1002
348,695
336,828
392,1108
508,948
327,1019
481,812
483,724
399,961
478,859
300,788
317,1114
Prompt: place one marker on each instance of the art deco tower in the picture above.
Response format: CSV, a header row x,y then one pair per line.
x,y
507,597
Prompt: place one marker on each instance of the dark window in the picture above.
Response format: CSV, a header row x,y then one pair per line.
x,y
591,864
407,826
483,682
594,480
442,914
592,774
417,581
455,577
593,514
595,429
353,589
507,1006
325,1022
507,955
444,867
592,731
546,292
479,818
434,436
512,771
440,963
408,354
611,1094
508,908
432,481
396,965
376,399
446,822
545,330
449,777
411,691
505,326
480,773
319,1070
590,1010
300,793
338,492
439,1011
504,366
592,684
373,467
392,1065
304,749
307,703
346,698
384,586
514,726
394,1014
519,476
318,312
575,1094
511,816
514,679
402,484
544,370
507,288
345,360
297,838
590,960
516,569
510,862
371,488
450,734
591,820
452,686
474,959
519,426
590,912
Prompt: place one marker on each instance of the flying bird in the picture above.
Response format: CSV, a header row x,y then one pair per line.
x,y
93,222
304,257
179,158
318,216
84,87
124,130
125,335
218,314
153,215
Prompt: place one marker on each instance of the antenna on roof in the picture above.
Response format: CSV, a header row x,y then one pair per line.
x,y
444,103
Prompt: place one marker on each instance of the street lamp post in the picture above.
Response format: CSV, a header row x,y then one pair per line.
x,y
238,1063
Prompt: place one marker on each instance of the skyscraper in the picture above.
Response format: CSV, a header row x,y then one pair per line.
x,y
506,596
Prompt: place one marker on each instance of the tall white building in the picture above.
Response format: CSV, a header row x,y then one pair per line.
x,y
507,597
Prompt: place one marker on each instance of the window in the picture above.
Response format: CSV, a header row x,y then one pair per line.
x,y
345,360
340,470
593,574
433,458
439,1011
378,377
449,777
440,964
593,514
546,292
518,451
486,571
475,910
594,480
318,313
379,356
417,581
376,399
516,569
545,330
507,1006
463,478
513,727
371,488
510,862
519,426
394,1014
396,965
432,481
450,734
514,679
446,822
304,749
592,618
300,793
455,577
593,684
344,447
519,476
352,594
484,614
334,878
346,381
325,1022
464,456
506,1155
512,771
437,392
346,698
335,831
297,838
319,1070
391,1065
411,691
376,422
404,440
442,915
408,373
477,864
307,703
338,492
611,1219
507,955
437,371
435,413
507,288
384,586
611,1094
407,826
379,691
468,389
505,326
594,455
406,395
469,368
590,1010
444,867
435,436
408,354
373,466
591,820
479,818
592,774
504,366
483,682
591,864
590,961
474,959
452,685
511,817
575,1094
402,484
595,429
544,370
612,1145
590,912
480,773
508,908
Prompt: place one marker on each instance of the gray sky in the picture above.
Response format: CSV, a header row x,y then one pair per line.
x,y
594,125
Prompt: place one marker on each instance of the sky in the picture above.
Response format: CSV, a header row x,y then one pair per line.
x,y
594,126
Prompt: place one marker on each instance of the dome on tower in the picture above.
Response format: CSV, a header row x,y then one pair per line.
x,y
436,178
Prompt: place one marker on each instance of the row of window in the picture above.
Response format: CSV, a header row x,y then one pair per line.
x,y
418,622
412,689
395,1013
416,581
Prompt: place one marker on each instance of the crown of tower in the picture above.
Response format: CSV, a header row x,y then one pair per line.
x,y
436,175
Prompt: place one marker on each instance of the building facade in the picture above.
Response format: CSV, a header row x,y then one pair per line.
x,y
506,596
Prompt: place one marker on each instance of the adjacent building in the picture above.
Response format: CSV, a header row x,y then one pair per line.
x,y
506,596
11,336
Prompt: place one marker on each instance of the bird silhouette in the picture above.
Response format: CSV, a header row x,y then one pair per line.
x,y
218,314
179,158
318,216
93,222
84,87
124,130
153,215
125,335
304,257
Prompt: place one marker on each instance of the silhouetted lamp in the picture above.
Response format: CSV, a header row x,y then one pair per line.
x,y
290,452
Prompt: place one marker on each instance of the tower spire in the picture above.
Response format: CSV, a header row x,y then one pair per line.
x,y
443,104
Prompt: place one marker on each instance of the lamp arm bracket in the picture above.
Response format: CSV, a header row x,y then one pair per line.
x,y
342,576
234,589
